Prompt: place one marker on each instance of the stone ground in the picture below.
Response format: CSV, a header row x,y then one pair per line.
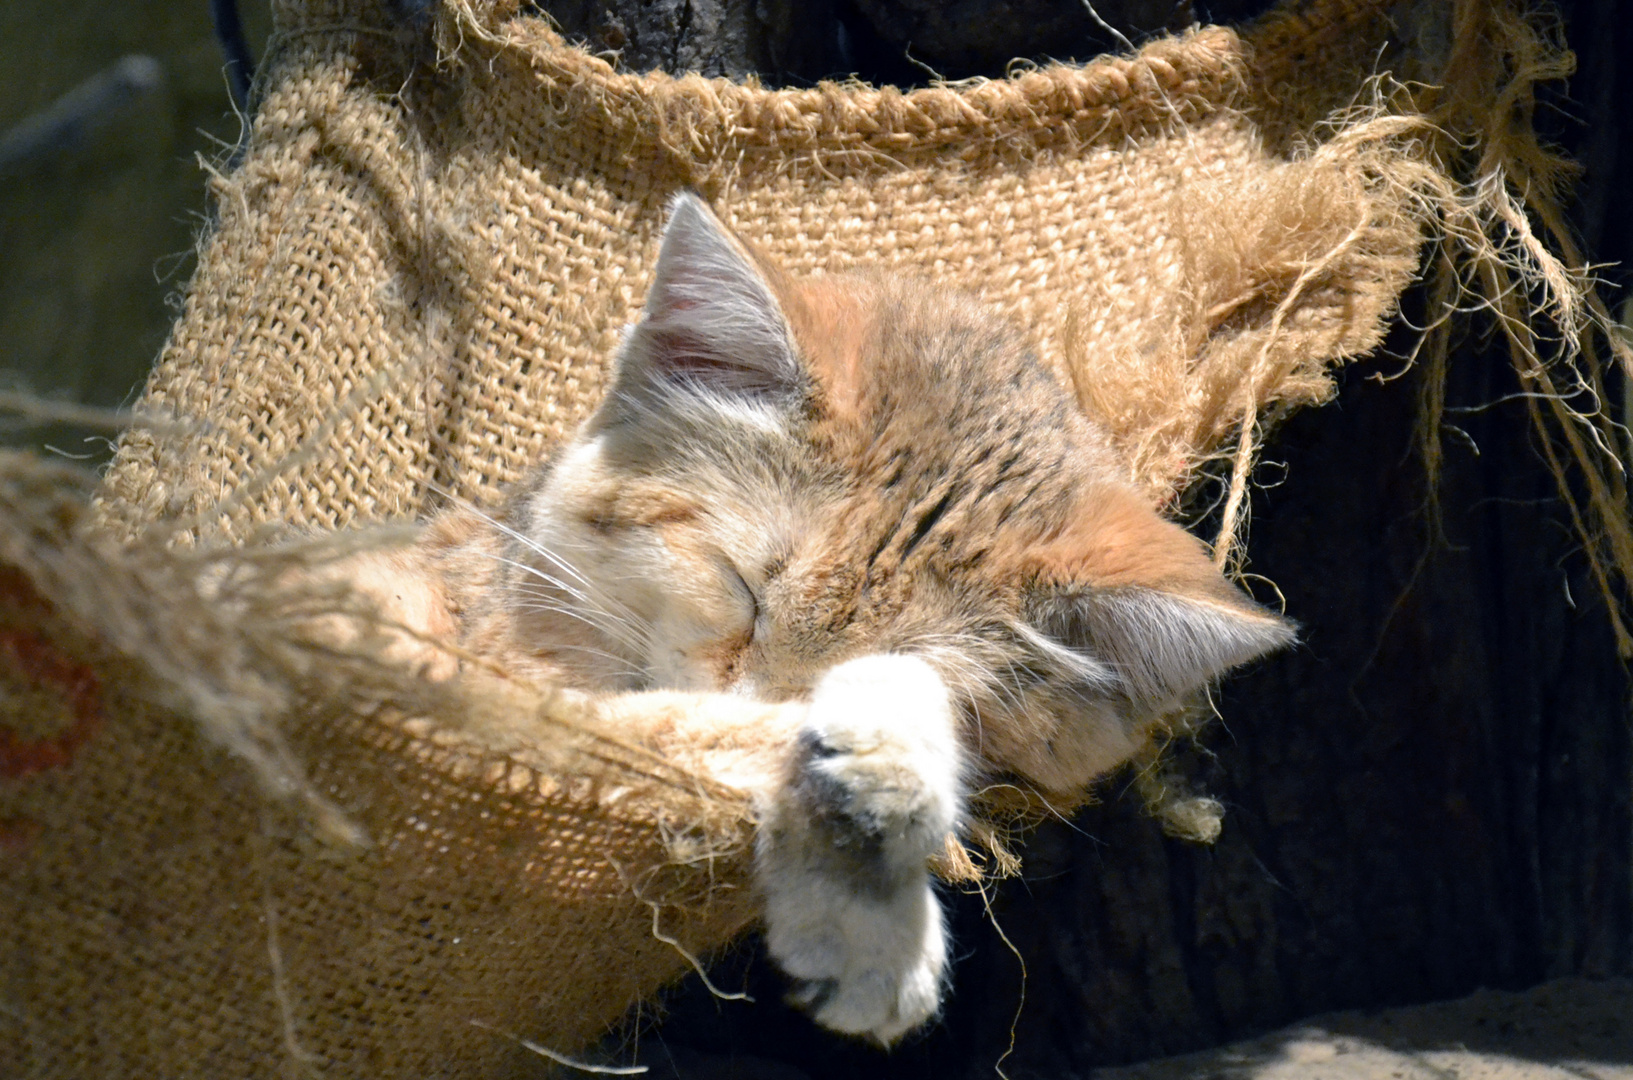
x,y
1573,1029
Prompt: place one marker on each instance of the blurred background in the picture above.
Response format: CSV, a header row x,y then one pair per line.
x,y
106,112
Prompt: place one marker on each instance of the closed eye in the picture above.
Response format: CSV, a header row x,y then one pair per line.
x,y
745,590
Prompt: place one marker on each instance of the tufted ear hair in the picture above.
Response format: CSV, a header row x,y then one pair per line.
x,y
712,329
1159,646
1140,597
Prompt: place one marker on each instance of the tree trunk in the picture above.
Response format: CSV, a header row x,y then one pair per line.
x,y
1428,796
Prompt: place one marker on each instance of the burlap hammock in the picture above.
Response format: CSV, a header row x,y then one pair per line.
x,y
231,852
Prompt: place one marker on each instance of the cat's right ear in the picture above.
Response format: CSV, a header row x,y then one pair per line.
x,y
712,329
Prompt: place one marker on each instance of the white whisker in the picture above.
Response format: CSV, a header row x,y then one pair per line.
x,y
623,672
633,634
533,545
612,629
636,635
519,537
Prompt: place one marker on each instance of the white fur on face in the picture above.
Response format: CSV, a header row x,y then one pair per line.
x,y
657,616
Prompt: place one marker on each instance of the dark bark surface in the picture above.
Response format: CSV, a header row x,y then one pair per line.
x,y
887,41
1430,795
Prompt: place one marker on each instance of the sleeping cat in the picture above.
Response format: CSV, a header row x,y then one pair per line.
x,y
863,498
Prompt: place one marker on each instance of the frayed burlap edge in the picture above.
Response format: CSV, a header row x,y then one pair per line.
x,y
1493,197
225,636
1512,252
212,629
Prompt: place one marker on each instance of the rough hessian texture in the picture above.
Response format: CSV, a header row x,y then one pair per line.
x,y
418,271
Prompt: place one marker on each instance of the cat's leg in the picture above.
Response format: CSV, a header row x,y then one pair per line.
x,y
874,787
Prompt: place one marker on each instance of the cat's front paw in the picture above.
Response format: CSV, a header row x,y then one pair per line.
x,y
873,792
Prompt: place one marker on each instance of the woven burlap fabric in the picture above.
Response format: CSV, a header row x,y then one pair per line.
x,y
395,896
418,271
162,919
421,285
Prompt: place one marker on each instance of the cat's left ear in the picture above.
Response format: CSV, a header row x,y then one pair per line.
x,y
1159,646
711,328
1139,597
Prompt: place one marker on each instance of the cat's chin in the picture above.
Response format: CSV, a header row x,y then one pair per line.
x,y
874,789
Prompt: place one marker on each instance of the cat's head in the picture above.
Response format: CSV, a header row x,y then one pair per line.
x,y
787,474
